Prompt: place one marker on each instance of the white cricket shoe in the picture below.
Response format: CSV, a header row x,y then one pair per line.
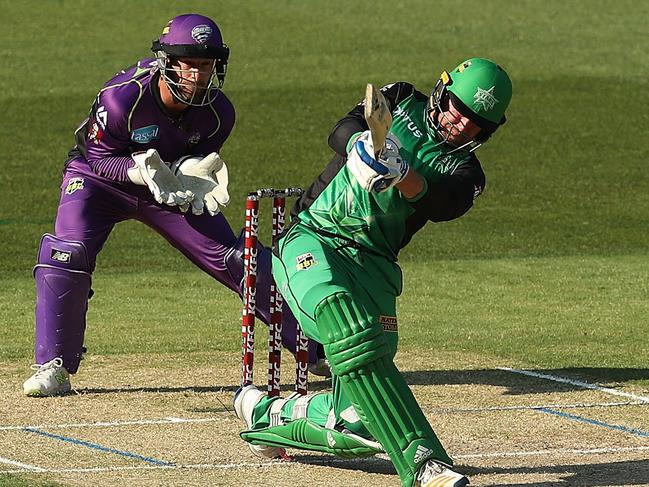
x,y
50,379
245,400
320,368
435,474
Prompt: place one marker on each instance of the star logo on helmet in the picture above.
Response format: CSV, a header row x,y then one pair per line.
x,y
485,98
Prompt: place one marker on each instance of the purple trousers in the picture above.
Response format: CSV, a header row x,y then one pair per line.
x,y
89,208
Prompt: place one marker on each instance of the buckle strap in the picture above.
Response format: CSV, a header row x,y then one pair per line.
x,y
301,405
275,412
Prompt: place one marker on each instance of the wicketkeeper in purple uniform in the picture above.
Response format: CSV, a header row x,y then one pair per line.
x,y
130,162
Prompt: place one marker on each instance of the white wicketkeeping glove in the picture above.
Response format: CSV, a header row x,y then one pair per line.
x,y
207,178
380,173
150,171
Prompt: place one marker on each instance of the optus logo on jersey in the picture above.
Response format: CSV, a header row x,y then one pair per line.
x,y
410,125
144,135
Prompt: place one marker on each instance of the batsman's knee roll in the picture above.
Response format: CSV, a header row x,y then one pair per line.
x,y
352,339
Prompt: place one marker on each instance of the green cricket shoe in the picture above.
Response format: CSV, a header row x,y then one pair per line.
x,y
50,379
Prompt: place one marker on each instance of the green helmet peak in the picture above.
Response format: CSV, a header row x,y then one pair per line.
x,y
483,87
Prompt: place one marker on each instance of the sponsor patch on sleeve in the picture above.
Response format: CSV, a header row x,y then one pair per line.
x,y
389,323
304,261
95,133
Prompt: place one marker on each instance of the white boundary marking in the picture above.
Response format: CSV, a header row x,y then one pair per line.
x,y
201,466
532,408
559,451
24,466
640,400
585,385
329,461
174,420
107,424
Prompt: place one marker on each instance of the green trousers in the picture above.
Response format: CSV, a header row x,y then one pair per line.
x,y
312,267
346,299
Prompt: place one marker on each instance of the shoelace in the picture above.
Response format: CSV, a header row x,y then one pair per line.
x,y
42,368
429,469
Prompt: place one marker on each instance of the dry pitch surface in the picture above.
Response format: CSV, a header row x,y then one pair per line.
x,y
144,421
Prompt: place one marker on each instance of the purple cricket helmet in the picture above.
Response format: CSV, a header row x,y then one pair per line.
x,y
192,36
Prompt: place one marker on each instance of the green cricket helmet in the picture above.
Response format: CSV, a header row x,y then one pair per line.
x,y
480,90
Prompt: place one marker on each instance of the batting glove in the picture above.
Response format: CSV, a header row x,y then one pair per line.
x,y
379,173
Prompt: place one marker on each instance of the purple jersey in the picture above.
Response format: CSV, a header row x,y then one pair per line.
x,y
128,116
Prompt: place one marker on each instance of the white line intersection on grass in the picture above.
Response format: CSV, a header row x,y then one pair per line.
x,y
174,420
327,459
578,383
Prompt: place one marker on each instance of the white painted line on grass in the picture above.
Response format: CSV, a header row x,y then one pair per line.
x,y
23,466
326,460
174,420
578,383
201,466
532,408
560,451
105,424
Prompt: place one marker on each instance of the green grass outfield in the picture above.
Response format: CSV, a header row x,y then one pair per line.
x,y
549,270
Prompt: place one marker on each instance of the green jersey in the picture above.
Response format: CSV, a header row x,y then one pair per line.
x,y
383,223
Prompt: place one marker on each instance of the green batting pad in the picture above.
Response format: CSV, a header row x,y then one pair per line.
x,y
358,353
306,435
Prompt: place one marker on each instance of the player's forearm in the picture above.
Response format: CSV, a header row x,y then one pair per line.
x,y
412,185
114,167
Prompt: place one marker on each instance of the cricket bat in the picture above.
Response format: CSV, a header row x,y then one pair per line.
x,y
377,116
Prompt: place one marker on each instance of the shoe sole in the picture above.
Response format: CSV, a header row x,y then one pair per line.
x,y
38,393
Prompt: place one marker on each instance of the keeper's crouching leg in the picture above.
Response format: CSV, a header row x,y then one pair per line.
x,y
360,355
62,291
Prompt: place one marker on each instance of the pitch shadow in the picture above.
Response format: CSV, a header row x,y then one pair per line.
x,y
523,384
286,388
629,472
367,464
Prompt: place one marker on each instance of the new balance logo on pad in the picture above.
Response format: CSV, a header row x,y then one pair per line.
x,y
60,256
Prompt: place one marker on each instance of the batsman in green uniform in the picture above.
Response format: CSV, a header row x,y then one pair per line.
x,y
336,266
